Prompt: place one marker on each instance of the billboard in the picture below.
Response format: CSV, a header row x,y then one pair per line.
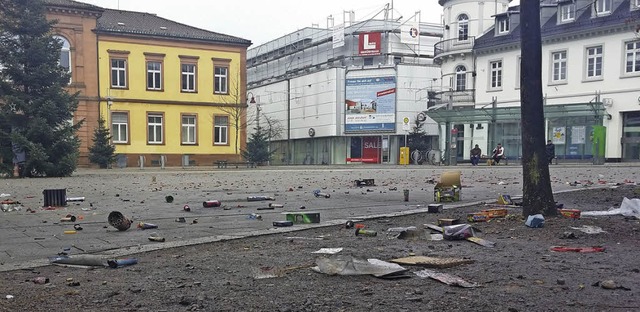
x,y
370,105
410,33
369,44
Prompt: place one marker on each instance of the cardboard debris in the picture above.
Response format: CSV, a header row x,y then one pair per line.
x,y
473,239
432,262
448,279
353,266
589,229
329,251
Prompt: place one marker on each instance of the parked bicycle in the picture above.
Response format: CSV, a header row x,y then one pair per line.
x,y
430,157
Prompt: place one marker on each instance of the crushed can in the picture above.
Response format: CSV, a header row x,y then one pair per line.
x,y
211,203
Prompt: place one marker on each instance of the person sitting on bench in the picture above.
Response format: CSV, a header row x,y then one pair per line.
x,y
497,153
476,152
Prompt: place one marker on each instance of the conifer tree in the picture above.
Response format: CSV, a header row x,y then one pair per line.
x,y
258,148
35,109
102,152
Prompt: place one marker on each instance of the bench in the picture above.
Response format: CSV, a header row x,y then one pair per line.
x,y
224,163
485,158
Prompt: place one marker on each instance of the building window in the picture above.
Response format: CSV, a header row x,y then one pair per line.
x,y
503,25
602,7
567,12
397,60
496,74
368,61
188,77
463,27
120,127
632,52
221,130
154,129
65,53
154,75
189,129
461,78
635,4
221,82
118,73
559,66
594,62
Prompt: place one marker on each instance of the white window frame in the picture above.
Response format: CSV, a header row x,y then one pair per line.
x,y
559,66
220,131
635,5
632,57
461,78
601,7
463,27
594,62
153,126
156,76
189,133
518,70
120,129
65,53
495,75
116,71
503,25
221,80
567,12
185,76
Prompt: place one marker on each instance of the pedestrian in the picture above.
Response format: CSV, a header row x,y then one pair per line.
x,y
497,154
551,151
475,155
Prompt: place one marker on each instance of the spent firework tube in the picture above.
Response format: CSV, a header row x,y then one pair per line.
x,y
211,203
122,262
276,205
146,226
363,232
156,239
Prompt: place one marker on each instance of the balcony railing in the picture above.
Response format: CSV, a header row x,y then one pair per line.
x,y
457,97
452,45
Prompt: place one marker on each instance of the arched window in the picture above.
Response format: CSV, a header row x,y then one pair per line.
x,y
463,27
65,53
461,78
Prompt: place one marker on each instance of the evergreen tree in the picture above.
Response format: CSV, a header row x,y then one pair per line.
x,y
417,139
36,110
258,148
102,152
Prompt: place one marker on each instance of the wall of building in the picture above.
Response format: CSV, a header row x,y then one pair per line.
x,y
171,102
77,28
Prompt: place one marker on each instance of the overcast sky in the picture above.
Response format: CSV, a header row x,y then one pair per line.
x,y
264,20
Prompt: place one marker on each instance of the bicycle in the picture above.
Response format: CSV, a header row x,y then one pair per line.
x,y
428,156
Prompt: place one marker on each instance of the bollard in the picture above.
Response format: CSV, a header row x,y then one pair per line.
x,y
406,195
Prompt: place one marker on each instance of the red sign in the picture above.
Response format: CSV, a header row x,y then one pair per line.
x,y
369,44
371,149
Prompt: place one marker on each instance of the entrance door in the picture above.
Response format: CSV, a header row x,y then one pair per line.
x,y
631,136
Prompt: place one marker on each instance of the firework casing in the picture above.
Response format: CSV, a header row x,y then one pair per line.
x,y
406,195
276,205
146,226
477,217
570,213
318,193
74,199
496,212
211,203
70,232
186,208
68,218
434,208
363,232
259,198
156,239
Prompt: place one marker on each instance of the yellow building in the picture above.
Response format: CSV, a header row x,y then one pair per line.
x,y
171,93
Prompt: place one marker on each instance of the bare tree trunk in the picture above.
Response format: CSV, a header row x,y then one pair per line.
x,y
537,194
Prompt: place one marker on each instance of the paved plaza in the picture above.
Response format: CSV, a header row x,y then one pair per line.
x,y
29,238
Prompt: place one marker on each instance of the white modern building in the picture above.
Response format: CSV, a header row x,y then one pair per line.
x,y
341,94
590,72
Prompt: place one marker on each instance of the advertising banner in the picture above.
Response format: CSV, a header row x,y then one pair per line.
x,y
559,135
338,36
370,105
369,44
410,33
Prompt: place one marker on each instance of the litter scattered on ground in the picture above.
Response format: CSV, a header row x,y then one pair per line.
x,y
578,249
589,229
259,198
119,221
10,205
609,284
628,208
535,221
318,193
476,240
570,213
363,232
121,262
448,279
352,266
328,251
282,223
458,232
79,260
432,262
